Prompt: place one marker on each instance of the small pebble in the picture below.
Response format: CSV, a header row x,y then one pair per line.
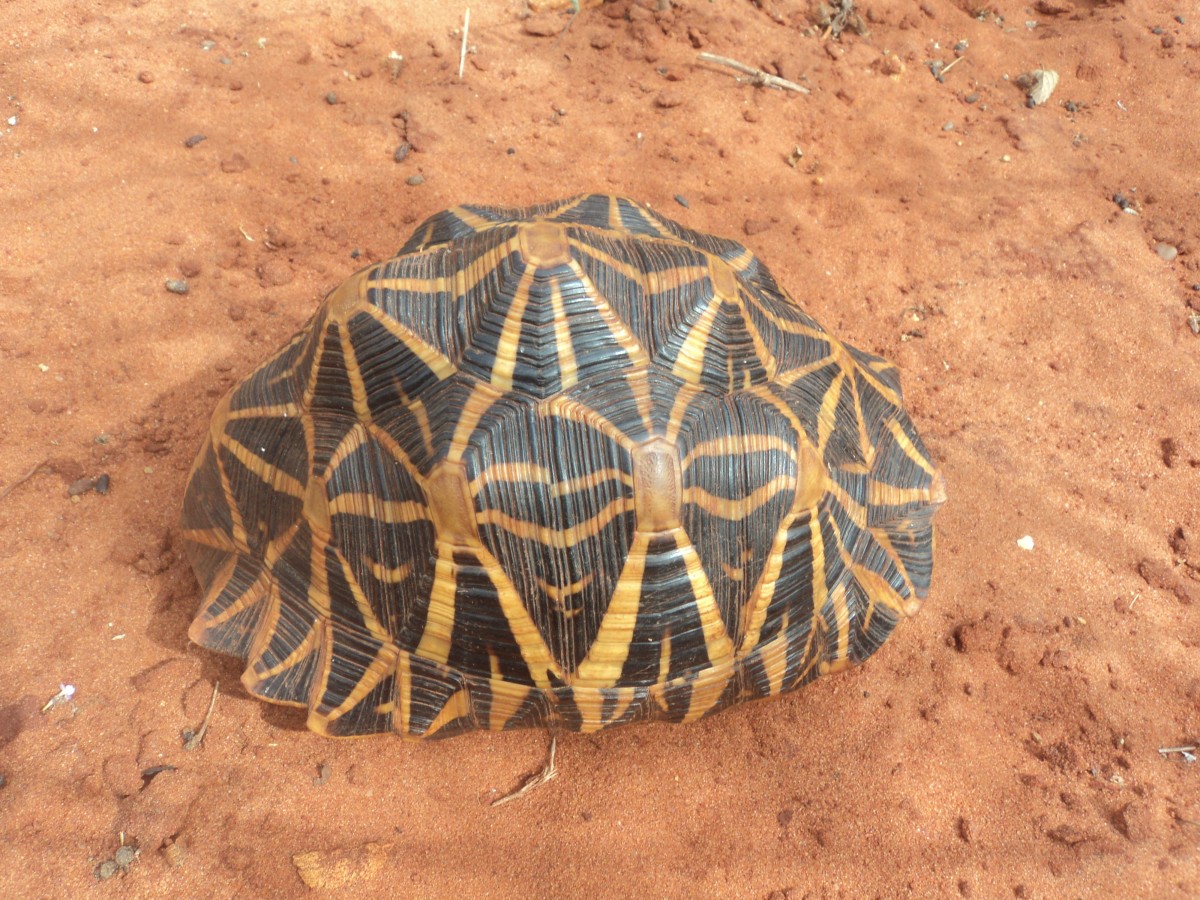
x,y
971,98
668,99
331,98
106,870
102,438
1026,542
176,285
102,484
1006,158
949,126
543,25
414,180
402,152
125,856
355,253
1181,20
681,200
1196,287
145,77
194,140
1166,251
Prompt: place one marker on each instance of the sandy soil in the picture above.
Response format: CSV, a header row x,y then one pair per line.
x,y
1004,743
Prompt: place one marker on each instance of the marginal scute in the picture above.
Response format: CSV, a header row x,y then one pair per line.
x,y
569,466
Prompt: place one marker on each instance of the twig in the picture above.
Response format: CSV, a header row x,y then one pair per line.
x,y
191,742
549,773
20,481
949,66
462,54
757,76
1188,752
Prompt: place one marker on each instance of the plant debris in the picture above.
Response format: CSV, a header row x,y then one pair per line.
x,y
1039,85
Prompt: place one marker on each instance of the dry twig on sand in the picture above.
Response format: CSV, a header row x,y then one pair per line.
x,y
757,76
192,741
20,481
549,773
462,53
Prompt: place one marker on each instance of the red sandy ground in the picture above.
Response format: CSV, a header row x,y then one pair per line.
x,y
1005,742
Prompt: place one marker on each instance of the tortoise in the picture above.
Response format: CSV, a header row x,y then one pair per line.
x,y
569,466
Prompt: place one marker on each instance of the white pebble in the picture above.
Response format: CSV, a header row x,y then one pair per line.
x,y
1025,543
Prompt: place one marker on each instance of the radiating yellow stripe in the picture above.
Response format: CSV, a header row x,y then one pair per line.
x,y
910,605
391,574
679,408
478,403
303,649
509,342
358,389
765,357
439,619
716,637
827,416
253,593
507,697
738,509
380,667
568,367
872,377
538,658
370,506
791,376
607,655
360,600
274,411
739,445
216,538
754,613
557,594
557,537
457,706
237,527
404,690
910,450
532,473
438,362
689,364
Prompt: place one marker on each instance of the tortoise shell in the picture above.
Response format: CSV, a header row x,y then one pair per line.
x,y
570,466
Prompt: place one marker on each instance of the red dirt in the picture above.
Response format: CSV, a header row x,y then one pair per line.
x,y
1003,743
